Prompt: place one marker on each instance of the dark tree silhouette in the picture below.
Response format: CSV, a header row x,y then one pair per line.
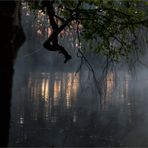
x,y
11,38
52,42
108,28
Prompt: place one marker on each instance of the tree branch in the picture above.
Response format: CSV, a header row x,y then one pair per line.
x,y
56,30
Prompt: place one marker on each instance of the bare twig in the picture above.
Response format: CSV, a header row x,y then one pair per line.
x,y
83,58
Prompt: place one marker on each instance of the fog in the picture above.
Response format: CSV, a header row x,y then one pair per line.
x,y
57,104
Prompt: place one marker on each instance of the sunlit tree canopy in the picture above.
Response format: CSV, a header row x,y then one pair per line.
x,y
111,28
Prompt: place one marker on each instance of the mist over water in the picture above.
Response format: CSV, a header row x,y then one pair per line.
x,y
53,105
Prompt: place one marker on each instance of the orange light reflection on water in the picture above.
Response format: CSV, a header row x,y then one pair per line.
x,y
65,85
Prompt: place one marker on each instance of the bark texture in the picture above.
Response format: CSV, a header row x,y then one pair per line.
x,y
11,38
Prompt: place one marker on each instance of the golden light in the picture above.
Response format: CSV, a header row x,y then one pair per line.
x,y
72,86
45,89
65,85
75,84
57,92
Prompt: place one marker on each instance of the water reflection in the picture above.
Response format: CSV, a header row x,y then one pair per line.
x,y
48,95
53,90
51,109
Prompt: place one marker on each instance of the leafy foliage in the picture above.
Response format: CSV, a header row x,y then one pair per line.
x,y
114,25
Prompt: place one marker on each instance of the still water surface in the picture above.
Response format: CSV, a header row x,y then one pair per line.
x,y
58,109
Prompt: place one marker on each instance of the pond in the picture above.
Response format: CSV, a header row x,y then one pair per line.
x,y
62,109
54,105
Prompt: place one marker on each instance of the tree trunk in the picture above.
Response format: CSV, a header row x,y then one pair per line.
x,y
11,38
